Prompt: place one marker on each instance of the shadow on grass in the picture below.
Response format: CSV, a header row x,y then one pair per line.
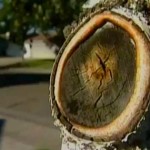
x,y
7,80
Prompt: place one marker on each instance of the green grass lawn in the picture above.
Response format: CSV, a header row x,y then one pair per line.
x,y
45,64
39,64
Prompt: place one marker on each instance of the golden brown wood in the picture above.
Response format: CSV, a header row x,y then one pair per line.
x,y
103,77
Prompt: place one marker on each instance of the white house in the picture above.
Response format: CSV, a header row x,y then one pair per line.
x,y
39,47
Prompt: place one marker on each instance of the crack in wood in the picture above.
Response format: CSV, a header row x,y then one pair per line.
x,y
116,96
103,65
97,100
81,89
100,83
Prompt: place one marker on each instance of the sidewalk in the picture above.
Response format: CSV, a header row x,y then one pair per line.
x,y
22,134
29,125
7,61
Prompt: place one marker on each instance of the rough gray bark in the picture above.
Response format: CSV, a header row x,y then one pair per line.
x,y
99,77
136,5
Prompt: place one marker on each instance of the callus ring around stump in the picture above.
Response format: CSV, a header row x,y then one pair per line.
x,y
101,78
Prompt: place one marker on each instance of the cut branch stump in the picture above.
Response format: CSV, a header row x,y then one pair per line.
x,y
99,89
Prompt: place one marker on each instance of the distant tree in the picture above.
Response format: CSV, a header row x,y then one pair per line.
x,y
19,16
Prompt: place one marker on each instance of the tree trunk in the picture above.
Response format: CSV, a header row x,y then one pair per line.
x,y
101,78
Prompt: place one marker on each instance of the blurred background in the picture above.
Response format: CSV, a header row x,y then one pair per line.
x,y
31,34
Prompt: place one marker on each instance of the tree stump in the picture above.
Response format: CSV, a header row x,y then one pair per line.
x,y
101,78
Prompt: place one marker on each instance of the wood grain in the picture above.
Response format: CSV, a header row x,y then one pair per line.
x,y
98,79
101,78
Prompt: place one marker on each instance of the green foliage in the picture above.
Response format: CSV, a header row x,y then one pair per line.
x,y
18,16
32,63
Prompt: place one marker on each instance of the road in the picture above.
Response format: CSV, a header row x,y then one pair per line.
x,y
24,104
